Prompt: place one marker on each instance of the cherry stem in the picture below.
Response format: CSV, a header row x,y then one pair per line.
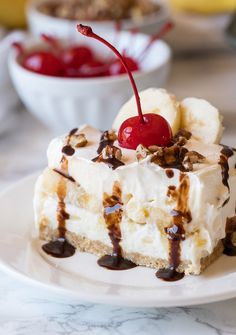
x,y
167,27
87,31
19,47
118,28
53,42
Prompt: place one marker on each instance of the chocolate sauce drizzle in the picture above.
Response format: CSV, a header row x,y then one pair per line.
x,y
176,233
60,248
65,175
226,153
169,173
67,149
229,247
172,192
112,163
113,216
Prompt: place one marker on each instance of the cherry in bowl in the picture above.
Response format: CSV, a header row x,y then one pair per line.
x,y
43,62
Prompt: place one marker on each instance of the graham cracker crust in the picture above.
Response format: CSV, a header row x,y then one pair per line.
x,y
99,249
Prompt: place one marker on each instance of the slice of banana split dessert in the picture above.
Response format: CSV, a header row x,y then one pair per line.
x,y
157,190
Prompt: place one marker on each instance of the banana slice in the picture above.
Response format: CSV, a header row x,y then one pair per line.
x,y
202,119
153,100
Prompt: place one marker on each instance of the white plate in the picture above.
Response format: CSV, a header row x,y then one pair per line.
x,y
81,278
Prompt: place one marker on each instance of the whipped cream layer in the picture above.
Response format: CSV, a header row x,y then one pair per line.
x,y
147,198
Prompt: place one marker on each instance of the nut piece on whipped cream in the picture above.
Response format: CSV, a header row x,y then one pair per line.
x,y
176,156
110,151
109,135
80,140
192,157
76,139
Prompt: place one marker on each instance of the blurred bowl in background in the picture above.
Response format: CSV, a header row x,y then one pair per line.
x,y
196,32
63,103
41,23
8,96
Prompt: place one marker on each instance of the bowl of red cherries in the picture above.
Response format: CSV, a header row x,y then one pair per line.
x,y
68,82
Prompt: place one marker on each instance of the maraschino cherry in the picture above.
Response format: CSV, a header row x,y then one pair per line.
x,y
148,129
73,57
79,60
94,68
76,56
43,62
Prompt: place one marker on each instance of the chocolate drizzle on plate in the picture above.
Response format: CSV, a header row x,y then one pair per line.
x,y
113,216
60,248
229,247
176,232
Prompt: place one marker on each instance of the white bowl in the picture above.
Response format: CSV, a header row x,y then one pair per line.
x,y
42,23
63,103
8,96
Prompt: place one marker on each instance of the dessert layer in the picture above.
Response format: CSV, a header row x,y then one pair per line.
x,y
144,222
98,248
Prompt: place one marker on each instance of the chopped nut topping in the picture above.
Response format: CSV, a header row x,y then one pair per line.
x,y
153,148
99,9
181,137
142,152
175,156
81,140
170,156
107,138
192,157
78,140
110,151
109,135
111,156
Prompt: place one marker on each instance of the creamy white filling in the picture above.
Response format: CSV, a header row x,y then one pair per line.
x,y
145,239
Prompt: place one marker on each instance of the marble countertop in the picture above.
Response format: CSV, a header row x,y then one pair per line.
x,y
25,310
